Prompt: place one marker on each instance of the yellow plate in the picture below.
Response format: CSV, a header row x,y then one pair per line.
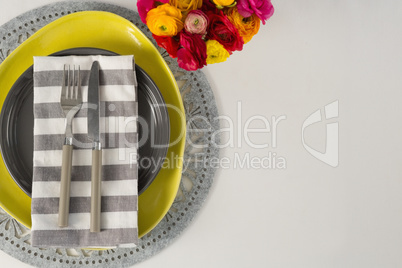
x,y
111,32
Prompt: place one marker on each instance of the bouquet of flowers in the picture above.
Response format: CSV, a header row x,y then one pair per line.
x,y
201,32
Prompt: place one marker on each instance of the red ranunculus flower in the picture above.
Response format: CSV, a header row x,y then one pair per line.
x,y
144,6
208,6
223,31
168,43
193,54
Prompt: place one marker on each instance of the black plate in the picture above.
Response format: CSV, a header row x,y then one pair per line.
x,y
16,121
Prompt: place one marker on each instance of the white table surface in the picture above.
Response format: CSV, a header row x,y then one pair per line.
x,y
309,54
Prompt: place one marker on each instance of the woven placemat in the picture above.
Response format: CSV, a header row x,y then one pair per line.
x,y
197,176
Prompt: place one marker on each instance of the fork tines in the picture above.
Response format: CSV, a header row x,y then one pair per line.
x,y
71,84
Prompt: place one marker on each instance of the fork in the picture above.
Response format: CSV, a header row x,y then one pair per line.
x,y
70,102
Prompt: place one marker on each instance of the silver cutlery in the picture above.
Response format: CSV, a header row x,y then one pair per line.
x,y
94,136
70,102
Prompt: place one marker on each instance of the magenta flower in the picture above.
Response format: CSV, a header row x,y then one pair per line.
x,y
144,6
196,22
263,9
193,54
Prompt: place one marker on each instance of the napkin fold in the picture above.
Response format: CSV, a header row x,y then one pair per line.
x,y
118,127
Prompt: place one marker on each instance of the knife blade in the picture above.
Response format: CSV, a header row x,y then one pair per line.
x,y
93,118
93,104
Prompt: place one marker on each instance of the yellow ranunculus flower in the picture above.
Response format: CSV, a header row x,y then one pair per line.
x,y
186,5
164,20
224,3
216,52
247,27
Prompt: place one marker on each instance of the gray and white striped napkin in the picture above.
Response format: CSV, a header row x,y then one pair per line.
x,y
118,125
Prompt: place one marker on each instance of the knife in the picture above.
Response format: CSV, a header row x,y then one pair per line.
x,y
94,136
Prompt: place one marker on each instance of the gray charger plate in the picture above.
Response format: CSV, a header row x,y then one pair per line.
x,y
16,121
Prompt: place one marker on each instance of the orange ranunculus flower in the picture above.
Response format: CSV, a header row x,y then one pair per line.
x,y
247,27
164,20
186,5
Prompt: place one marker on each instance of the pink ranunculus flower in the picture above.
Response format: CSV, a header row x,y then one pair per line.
x,y
196,22
263,9
144,6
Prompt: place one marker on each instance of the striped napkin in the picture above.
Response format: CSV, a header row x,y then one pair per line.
x,y
118,126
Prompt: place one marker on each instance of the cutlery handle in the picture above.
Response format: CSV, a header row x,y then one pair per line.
x,y
96,175
64,202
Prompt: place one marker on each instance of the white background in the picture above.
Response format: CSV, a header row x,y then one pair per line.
x,y
309,54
